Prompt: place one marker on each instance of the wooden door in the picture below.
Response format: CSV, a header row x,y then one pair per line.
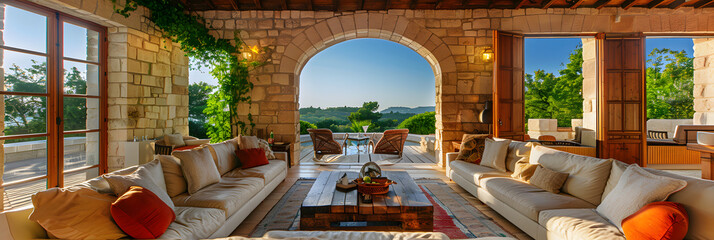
x,y
508,117
621,109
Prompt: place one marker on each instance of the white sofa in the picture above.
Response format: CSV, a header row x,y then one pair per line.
x,y
212,212
570,214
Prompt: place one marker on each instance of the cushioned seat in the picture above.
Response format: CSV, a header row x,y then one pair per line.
x,y
266,172
194,223
528,199
475,172
578,224
228,195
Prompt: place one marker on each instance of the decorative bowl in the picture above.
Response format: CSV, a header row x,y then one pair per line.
x,y
705,138
377,186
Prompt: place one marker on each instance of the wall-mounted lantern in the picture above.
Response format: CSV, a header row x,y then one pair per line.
x,y
487,54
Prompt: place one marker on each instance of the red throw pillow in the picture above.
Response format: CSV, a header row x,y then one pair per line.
x,y
141,214
252,157
657,220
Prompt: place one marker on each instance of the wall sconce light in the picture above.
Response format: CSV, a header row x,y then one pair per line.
x,y
249,53
487,55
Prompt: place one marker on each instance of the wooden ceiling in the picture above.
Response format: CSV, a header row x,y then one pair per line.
x,y
352,5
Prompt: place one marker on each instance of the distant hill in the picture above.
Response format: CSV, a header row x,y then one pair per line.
x,y
416,110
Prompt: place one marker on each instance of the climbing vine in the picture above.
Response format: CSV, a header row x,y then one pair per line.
x,y
222,56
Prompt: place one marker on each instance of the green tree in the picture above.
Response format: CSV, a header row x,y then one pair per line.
x,y
551,97
28,114
368,111
424,123
198,94
670,85
306,125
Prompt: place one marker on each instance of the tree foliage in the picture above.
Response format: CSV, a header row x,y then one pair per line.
x,y
551,97
304,126
198,95
424,123
670,85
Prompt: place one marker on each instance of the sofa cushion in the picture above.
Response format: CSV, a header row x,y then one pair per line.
x,y
266,172
228,195
494,154
587,176
516,151
616,171
528,199
175,140
474,172
472,146
524,170
578,224
141,214
90,216
635,189
224,155
198,168
547,179
194,223
657,220
120,184
173,175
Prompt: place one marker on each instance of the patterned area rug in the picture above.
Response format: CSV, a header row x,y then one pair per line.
x,y
453,215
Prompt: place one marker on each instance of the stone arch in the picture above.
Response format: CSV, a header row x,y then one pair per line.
x,y
399,29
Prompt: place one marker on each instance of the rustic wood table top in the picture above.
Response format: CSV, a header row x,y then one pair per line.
x,y
405,207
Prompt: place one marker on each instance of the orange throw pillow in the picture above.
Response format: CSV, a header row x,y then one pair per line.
x,y
141,214
252,157
657,220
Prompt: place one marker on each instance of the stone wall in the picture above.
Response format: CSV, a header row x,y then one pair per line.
x,y
450,40
704,80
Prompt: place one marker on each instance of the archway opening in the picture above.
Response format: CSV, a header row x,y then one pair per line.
x,y
370,84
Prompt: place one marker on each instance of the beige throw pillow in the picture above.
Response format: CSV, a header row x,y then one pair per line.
x,y
266,147
198,168
248,142
635,189
142,178
224,155
173,175
547,179
494,154
472,148
524,170
75,213
175,140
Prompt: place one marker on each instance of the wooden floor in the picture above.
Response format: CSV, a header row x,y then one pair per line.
x,y
412,154
415,170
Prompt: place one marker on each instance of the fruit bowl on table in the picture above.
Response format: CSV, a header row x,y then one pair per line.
x,y
374,186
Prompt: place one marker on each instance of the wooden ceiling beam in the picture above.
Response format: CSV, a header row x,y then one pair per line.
x,y
438,4
386,4
703,3
234,4
627,4
519,3
676,4
210,3
600,4
284,4
336,4
546,4
257,4
310,5
655,3
412,4
576,4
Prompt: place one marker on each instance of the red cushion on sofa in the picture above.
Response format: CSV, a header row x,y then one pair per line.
x,y
657,220
141,214
186,147
252,157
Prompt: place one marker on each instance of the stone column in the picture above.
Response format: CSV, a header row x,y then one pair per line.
x,y
589,89
703,81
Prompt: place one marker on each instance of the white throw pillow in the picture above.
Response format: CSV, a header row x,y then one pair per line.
x,y
635,189
494,154
142,178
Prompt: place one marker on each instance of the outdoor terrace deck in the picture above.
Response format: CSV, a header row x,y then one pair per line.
x,y
412,154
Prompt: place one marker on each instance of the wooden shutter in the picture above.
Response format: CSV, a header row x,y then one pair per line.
x,y
621,110
508,117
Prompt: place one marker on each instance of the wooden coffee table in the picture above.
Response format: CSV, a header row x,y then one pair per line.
x,y
404,208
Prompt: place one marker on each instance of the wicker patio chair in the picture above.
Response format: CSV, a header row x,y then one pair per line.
x,y
323,143
392,142
547,138
163,149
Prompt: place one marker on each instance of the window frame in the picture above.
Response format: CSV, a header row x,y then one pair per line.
x,y
54,94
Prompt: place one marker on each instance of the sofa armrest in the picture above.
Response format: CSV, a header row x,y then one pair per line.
x,y
14,224
451,156
281,156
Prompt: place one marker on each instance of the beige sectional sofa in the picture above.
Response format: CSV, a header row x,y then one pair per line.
x,y
214,211
570,214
